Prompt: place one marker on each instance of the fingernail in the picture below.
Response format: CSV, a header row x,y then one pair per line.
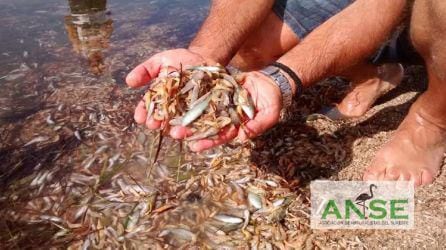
x,y
131,77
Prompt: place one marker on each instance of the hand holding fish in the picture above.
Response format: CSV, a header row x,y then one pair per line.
x,y
205,105
142,74
268,104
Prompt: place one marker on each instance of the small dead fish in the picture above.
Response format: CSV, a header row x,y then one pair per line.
x,y
212,69
37,140
243,101
195,112
228,219
255,200
199,100
195,93
179,233
49,120
202,135
177,121
270,183
235,119
246,103
278,202
77,134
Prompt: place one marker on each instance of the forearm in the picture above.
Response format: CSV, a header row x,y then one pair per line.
x,y
344,40
228,24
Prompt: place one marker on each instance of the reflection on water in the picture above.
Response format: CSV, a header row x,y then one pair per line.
x,y
89,28
46,45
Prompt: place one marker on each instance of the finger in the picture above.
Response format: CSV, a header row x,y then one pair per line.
x,y
140,113
226,135
179,132
143,73
152,123
150,69
258,125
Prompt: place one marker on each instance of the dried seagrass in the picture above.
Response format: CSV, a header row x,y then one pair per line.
x,y
202,98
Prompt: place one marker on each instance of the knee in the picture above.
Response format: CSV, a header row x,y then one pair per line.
x,y
428,22
250,58
428,31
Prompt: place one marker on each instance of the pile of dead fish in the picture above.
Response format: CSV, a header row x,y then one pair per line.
x,y
202,98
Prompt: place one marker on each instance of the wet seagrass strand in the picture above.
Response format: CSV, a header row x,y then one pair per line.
x,y
203,98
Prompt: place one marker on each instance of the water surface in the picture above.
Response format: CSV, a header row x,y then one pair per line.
x,y
45,44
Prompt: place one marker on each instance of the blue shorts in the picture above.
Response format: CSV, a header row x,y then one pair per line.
x,y
303,16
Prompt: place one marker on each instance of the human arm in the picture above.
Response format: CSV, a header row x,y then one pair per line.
x,y
341,42
227,26
344,40
216,41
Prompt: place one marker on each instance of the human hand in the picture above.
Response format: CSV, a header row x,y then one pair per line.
x,y
268,101
148,70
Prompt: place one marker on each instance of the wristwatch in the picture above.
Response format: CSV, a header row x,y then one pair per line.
x,y
282,82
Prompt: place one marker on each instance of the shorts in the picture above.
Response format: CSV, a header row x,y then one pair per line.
x,y
303,16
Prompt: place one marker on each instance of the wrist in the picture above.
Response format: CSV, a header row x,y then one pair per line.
x,y
281,81
208,54
291,81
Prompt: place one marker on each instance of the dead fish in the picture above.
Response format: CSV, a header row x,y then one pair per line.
x,y
199,100
49,120
235,119
228,219
195,112
246,103
196,77
255,200
77,134
202,135
279,209
270,183
177,121
212,69
37,140
178,233
278,202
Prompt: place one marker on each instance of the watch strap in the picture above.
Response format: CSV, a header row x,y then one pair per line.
x,y
293,75
282,82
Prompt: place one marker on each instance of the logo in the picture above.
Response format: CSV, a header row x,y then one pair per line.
x,y
362,205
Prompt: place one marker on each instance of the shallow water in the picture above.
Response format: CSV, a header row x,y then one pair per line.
x,y
45,44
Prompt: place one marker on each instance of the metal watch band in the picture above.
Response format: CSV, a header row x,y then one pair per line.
x,y
282,82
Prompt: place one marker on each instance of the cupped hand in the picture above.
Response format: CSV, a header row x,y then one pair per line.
x,y
268,101
148,70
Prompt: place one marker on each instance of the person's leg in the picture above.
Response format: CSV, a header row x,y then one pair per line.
x,y
416,150
288,23
267,43
369,82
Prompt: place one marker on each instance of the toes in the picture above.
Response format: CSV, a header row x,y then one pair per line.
x,y
416,178
374,172
392,174
371,174
404,176
426,177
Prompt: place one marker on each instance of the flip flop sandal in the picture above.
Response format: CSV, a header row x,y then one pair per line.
x,y
331,113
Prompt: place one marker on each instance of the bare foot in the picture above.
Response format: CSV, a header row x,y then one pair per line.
x,y
364,94
415,152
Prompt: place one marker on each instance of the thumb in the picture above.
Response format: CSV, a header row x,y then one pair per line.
x,y
144,72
